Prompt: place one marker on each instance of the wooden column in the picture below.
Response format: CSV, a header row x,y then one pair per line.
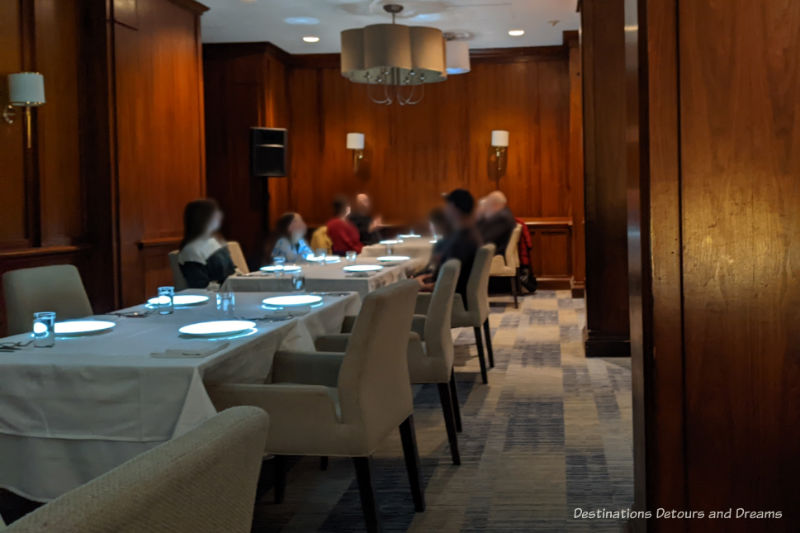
x,y
602,24
575,164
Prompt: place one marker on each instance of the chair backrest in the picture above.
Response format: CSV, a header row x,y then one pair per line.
x,y
320,239
478,282
512,250
438,337
374,385
49,288
237,256
177,275
203,481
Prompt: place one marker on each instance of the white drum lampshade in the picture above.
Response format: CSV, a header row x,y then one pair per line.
x,y
457,57
355,141
500,138
26,89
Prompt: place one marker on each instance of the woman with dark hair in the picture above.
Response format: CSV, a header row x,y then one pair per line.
x,y
288,239
202,258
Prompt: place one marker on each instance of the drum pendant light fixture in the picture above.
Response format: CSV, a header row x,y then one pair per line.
x,y
393,60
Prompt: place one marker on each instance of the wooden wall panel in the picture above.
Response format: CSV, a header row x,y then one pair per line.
x,y
13,229
160,137
740,192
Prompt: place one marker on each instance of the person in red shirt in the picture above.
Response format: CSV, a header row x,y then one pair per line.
x,y
343,233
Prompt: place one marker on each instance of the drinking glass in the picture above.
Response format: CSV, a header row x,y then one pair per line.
x,y
350,256
166,300
226,302
44,329
298,281
322,254
389,249
279,261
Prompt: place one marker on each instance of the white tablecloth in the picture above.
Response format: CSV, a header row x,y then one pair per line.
x,y
328,277
418,247
74,411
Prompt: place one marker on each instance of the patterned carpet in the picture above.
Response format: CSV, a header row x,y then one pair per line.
x,y
551,432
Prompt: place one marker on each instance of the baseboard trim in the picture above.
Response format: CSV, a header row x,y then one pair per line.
x,y
554,284
578,288
607,346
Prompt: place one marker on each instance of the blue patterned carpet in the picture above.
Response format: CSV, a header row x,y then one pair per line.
x,y
551,432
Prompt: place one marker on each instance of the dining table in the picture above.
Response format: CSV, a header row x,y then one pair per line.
x,y
416,246
73,411
329,275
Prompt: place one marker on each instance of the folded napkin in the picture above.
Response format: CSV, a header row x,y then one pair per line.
x,y
189,349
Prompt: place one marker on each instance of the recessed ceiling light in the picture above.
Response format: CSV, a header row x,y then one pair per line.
x,y
311,39
516,33
301,21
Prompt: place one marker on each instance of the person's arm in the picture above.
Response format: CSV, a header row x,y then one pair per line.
x,y
352,239
196,275
303,249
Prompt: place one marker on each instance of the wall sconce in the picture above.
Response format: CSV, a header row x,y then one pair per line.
x,y
500,146
25,89
355,142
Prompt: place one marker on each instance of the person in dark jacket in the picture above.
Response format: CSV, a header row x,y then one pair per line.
x,y
361,217
202,258
496,222
462,243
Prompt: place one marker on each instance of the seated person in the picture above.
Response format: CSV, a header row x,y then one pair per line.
x,y
288,239
342,233
441,230
462,244
362,218
202,258
497,222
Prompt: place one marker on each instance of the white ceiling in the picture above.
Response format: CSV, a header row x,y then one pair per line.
x,y
488,21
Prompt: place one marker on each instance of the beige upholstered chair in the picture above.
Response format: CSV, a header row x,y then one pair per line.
x,y
332,404
430,349
177,275
237,256
505,266
201,482
49,288
475,311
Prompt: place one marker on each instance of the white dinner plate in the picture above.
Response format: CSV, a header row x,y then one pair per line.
x,y
216,328
408,236
391,241
181,299
70,328
393,258
292,300
326,259
281,268
362,268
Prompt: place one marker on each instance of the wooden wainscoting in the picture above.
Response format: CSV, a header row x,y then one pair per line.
x,y
153,255
551,255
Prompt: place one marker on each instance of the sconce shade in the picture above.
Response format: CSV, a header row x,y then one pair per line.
x,y
26,89
355,141
457,57
500,138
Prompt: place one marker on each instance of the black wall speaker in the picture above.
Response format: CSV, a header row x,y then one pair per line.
x,y
268,152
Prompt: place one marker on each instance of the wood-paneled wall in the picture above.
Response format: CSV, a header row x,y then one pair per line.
x,y
118,147
720,294
413,153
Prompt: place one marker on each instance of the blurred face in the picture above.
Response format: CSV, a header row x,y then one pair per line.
x,y
362,203
215,223
453,214
297,228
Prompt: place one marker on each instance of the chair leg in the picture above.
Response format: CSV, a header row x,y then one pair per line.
x,y
488,338
323,462
481,358
449,420
366,489
456,406
515,290
409,438
280,477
